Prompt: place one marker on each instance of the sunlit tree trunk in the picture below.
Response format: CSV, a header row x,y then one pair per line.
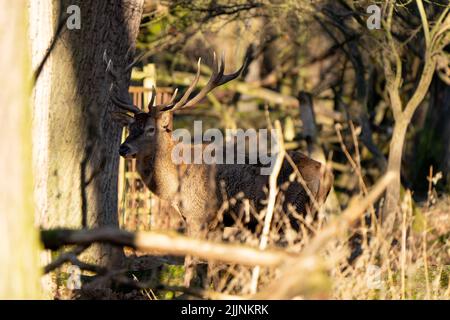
x,y
19,242
435,39
395,164
402,120
75,141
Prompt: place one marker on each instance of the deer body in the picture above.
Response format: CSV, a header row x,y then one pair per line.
x,y
199,190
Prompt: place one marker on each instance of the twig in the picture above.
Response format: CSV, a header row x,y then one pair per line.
x,y
423,17
273,190
403,249
355,165
63,258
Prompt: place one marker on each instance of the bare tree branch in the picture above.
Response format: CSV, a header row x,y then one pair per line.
x,y
159,243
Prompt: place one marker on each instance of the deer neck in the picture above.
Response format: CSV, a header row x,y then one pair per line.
x,y
157,169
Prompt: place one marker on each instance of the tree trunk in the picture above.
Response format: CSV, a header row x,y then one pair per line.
x,y
19,242
395,164
75,141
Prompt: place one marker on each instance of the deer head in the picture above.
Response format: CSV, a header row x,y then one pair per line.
x,y
146,127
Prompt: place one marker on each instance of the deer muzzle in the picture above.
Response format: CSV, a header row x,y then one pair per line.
x,y
127,151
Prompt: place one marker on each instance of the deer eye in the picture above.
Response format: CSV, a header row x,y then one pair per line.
x,y
150,131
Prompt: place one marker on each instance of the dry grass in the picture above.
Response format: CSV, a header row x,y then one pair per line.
x,y
411,263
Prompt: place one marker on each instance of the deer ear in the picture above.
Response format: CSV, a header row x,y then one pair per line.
x,y
166,120
122,119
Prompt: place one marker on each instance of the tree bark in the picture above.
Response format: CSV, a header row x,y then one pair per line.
x,y
394,165
402,120
75,140
19,241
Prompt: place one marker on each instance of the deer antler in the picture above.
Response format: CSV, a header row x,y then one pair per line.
x,y
122,100
118,97
217,79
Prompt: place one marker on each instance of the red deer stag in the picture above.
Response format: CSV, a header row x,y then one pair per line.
x,y
197,191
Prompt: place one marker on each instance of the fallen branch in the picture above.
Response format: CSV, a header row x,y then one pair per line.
x,y
159,243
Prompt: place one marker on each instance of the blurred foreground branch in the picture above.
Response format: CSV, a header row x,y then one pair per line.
x,y
159,243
